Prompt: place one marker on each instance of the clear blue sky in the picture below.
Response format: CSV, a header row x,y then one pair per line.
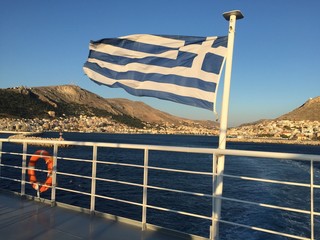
x,y
276,55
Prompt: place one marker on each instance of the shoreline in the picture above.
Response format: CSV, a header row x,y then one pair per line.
x,y
275,141
33,135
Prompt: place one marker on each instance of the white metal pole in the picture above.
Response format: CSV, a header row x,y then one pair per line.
x,y
0,156
231,16
54,175
24,166
214,222
93,178
145,189
311,200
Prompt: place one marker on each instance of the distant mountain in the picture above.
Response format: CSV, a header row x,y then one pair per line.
x,y
254,123
71,100
310,110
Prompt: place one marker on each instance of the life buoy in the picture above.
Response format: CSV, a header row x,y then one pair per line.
x,y
40,154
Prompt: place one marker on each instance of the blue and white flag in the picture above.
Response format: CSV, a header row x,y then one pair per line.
x,y
177,68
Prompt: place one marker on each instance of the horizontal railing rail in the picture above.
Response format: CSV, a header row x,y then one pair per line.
x,y
144,181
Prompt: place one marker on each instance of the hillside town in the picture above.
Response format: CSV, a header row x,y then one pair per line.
x,y
278,130
85,123
271,130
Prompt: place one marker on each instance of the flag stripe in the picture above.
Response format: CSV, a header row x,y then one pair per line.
x,y
149,85
196,97
158,40
184,59
156,77
187,40
134,45
155,44
119,51
179,71
164,95
147,42
220,42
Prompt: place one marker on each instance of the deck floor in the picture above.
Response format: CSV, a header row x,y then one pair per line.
x,y
27,219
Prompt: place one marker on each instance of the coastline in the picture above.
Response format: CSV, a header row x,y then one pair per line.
x,y
35,135
275,141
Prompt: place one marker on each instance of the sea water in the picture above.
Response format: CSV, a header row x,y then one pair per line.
x,y
241,213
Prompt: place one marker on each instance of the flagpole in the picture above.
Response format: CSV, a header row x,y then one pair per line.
x,y
218,165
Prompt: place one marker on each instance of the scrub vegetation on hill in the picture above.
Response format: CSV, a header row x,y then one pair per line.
x,y
23,103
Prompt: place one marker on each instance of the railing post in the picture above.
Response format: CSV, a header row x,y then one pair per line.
x,y
0,156
93,179
145,189
54,175
23,170
311,201
214,223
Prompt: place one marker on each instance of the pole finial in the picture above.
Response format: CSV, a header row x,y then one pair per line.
x,y
237,13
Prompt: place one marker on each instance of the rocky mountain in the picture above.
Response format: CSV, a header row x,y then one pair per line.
x,y
71,100
254,123
302,125
310,110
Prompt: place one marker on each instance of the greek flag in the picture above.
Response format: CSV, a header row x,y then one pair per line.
x,y
182,69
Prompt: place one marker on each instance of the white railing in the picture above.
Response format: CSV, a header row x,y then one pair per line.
x,y
145,186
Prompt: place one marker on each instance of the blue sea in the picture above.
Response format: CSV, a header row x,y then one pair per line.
x,y
242,213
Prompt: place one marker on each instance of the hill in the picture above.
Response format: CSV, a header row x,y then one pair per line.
x,y
300,126
71,100
310,110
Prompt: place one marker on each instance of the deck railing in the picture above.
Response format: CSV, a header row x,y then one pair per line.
x,y
145,186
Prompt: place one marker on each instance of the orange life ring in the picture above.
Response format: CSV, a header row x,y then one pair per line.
x,y
40,154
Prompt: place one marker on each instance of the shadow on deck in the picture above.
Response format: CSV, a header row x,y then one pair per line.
x,y
26,219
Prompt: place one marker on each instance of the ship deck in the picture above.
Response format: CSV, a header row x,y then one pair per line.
x,y
26,219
